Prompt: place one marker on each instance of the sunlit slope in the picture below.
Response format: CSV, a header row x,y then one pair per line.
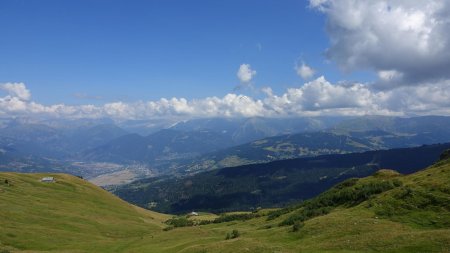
x,y
386,212
68,214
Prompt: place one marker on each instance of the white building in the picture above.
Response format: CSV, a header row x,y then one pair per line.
x,y
48,179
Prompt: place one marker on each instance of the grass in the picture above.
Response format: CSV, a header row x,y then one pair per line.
x,y
73,215
68,214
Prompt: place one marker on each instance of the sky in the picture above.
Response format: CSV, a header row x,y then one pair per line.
x,y
235,58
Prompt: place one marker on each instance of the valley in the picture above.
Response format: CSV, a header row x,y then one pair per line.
x,y
101,149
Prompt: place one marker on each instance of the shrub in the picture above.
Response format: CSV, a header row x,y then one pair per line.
x,y
180,222
204,222
233,217
445,155
397,182
277,213
297,226
235,234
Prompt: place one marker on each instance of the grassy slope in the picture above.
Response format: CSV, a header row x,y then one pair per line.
x,y
68,214
411,217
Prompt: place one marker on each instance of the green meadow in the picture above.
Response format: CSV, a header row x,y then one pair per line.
x,y
386,212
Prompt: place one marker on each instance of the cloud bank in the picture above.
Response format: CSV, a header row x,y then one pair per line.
x,y
315,98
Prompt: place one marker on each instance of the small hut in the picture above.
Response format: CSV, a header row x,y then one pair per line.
x,y
48,179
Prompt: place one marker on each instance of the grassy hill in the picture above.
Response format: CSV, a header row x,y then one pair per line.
x,y
386,212
68,214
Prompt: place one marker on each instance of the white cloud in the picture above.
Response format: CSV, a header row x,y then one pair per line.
x,y
320,97
408,37
17,90
389,75
314,98
305,71
245,73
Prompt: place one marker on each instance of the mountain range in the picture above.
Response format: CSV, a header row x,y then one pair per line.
x,y
103,148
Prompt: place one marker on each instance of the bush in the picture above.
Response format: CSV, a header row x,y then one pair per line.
x,y
234,234
204,222
180,222
297,226
397,182
277,213
445,155
233,217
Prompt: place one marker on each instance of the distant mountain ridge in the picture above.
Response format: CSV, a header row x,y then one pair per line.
x,y
341,136
166,144
95,147
244,130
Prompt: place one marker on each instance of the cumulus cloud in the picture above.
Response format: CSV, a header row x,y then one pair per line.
x,y
305,71
406,42
315,98
320,97
245,73
17,90
389,75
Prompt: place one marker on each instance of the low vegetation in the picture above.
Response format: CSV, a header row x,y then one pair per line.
x,y
386,212
234,234
348,193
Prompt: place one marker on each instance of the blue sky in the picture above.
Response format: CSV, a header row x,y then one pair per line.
x,y
234,58
76,52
